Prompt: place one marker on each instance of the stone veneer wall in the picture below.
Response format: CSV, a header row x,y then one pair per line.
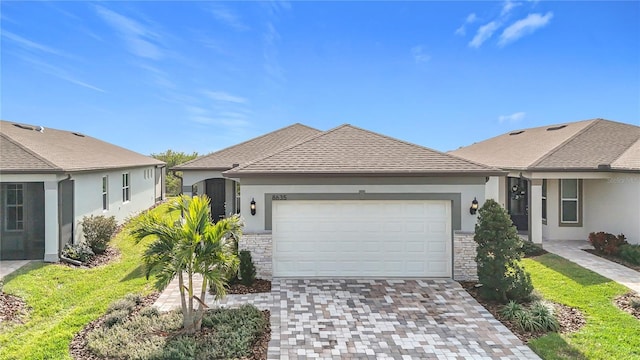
x,y
464,257
260,247
464,264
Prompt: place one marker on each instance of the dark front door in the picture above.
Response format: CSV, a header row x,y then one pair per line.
x,y
215,191
65,212
518,196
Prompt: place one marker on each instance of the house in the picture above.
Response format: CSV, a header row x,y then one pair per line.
x,y
50,179
566,180
351,202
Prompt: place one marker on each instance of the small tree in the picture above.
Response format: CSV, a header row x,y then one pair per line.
x,y
247,269
188,246
499,251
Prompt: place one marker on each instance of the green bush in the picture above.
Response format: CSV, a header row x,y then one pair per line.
x,y
247,269
606,243
98,230
80,252
511,310
527,322
544,316
630,253
499,250
530,249
115,317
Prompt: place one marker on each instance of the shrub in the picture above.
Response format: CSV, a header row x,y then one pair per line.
x,y
80,252
630,253
544,316
531,249
122,304
606,243
511,310
527,322
98,230
247,269
499,250
115,317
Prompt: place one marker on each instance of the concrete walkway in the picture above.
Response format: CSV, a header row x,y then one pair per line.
x,y
572,251
9,266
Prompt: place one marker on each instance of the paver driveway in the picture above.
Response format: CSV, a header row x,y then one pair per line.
x,y
378,319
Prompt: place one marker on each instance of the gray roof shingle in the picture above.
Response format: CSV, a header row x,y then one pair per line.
x,y
251,150
582,145
25,149
351,151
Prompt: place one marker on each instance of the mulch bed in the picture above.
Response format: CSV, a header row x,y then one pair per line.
x,y
110,255
259,286
626,303
79,351
613,258
570,319
12,309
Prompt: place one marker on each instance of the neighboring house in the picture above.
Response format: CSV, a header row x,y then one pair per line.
x,y
566,180
350,202
50,179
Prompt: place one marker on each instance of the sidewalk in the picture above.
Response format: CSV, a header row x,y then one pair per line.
x,y
572,251
9,266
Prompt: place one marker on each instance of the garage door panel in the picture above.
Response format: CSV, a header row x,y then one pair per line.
x,y
362,238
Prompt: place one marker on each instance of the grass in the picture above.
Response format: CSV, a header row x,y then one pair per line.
x,y
609,333
63,300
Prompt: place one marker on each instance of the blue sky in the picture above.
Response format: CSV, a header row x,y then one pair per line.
x,y
201,76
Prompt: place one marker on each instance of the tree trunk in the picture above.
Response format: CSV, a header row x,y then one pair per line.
x,y
200,312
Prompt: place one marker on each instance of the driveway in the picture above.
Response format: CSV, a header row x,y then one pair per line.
x,y
379,319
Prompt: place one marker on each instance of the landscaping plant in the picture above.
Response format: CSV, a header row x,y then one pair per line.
x,y
499,250
97,231
630,253
606,243
188,246
247,269
80,252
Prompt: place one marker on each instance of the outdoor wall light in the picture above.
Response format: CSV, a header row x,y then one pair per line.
x,y
474,206
253,206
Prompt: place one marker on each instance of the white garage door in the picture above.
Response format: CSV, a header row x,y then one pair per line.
x,y
362,238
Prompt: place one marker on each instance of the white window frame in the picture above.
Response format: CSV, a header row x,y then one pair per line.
x,y
563,199
105,192
18,222
238,198
544,201
126,187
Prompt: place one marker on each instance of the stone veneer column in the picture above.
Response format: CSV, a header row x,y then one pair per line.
x,y
464,257
260,247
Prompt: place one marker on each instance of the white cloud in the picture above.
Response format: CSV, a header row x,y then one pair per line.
x,y
483,34
524,27
507,6
224,97
140,40
228,17
60,73
32,45
418,54
462,29
270,53
515,117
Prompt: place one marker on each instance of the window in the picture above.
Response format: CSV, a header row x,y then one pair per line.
x,y
544,201
14,207
105,192
570,201
126,190
237,197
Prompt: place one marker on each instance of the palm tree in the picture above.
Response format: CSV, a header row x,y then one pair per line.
x,y
188,246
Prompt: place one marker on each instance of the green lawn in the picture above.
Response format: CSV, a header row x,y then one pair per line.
x,y
609,333
63,300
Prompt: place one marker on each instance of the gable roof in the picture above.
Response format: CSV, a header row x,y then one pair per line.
x,y
250,150
351,151
583,145
33,149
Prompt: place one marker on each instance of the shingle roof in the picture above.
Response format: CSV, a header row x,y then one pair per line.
x,y
25,149
348,150
582,145
251,150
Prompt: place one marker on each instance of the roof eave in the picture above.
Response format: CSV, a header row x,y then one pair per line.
x,y
463,173
200,168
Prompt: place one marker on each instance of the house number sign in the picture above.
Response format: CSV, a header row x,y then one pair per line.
x,y
279,197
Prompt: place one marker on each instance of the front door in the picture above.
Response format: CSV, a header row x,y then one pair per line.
x,y
518,202
215,191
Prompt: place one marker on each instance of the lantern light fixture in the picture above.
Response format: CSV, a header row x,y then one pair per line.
x,y
474,206
253,206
